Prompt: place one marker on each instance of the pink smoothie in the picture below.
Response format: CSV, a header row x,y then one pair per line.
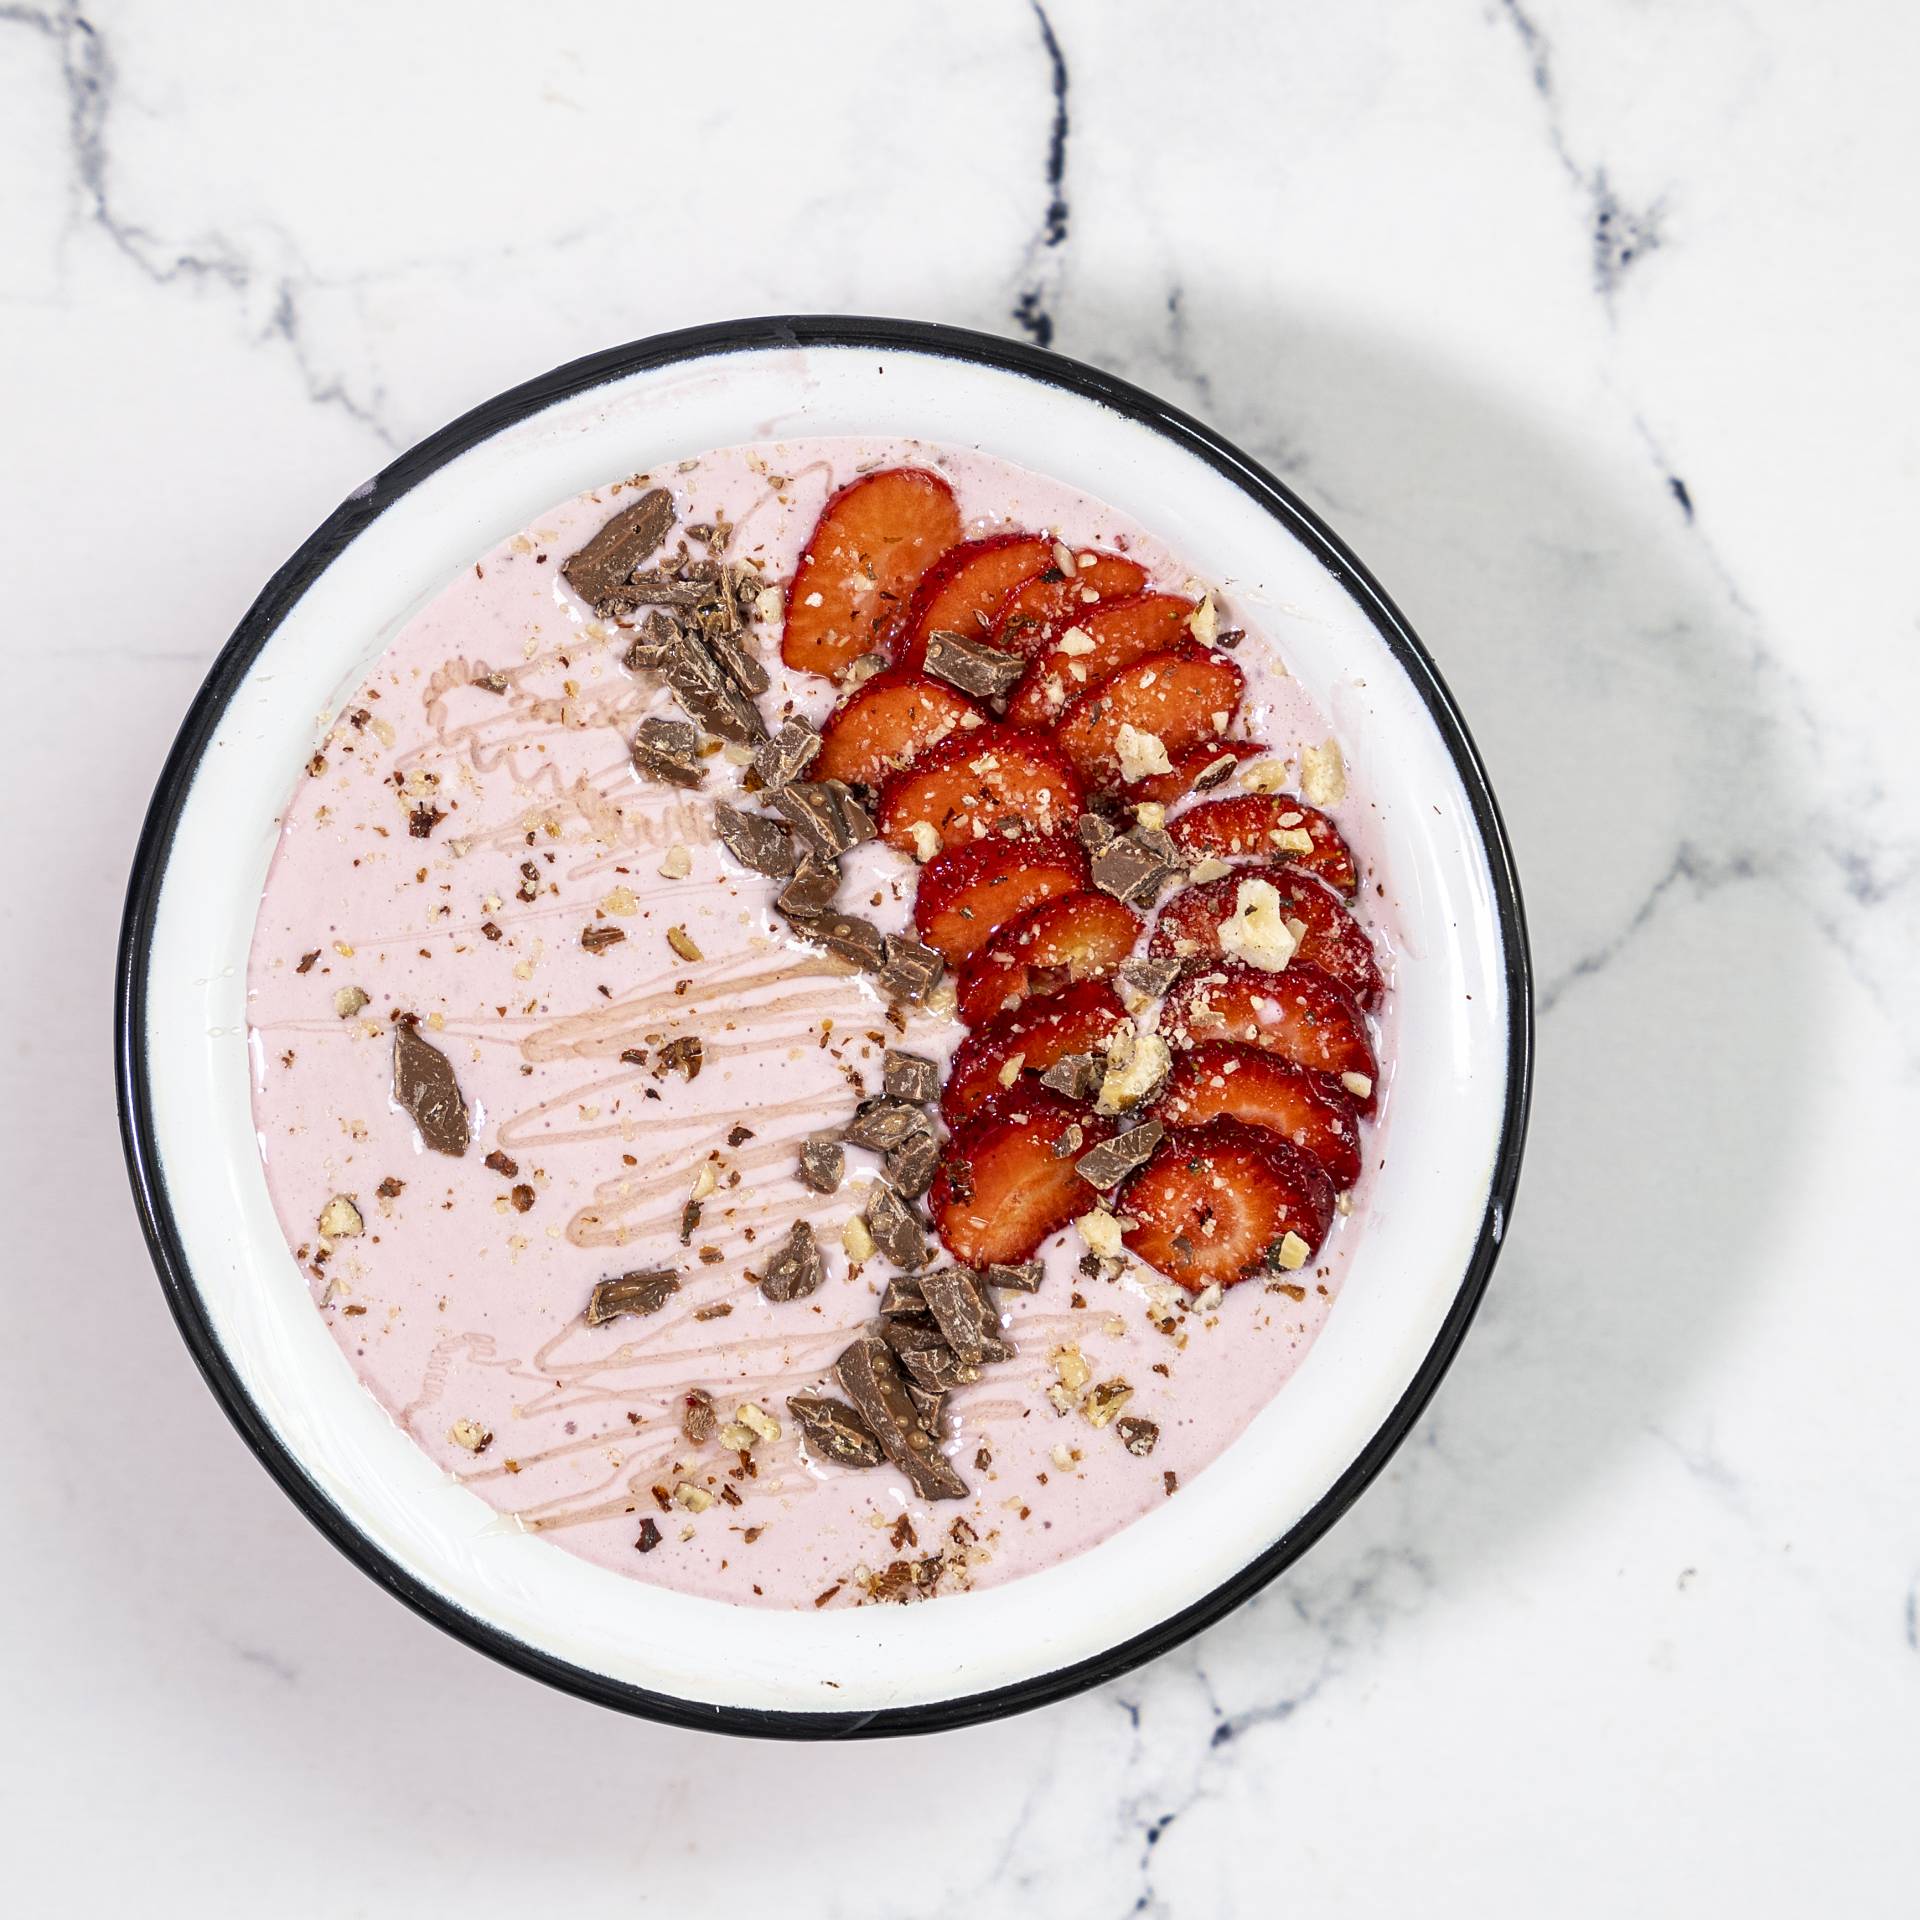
x,y
504,709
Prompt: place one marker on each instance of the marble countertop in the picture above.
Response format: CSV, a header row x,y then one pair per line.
x,y
1592,327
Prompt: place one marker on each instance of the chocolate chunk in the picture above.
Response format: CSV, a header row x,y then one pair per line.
x,y
698,1421
658,636
644,1292
823,1165
599,937
764,845
870,1379
834,1431
740,666
424,1083
936,1367
825,815
1151,977
709,694
503,1164
608,560
659,588
930,1405
897,1230
1137,1435
1069,1141
911,969
684,1055
851,938
968,1319
912,1164
797,1269
1077,1075
811,891
649,1534
1024,1278
903,1300
787,754
1134,867
882,1125
423,819
1110,1163
1095,832
909,1076
738,1136
669,751
982,671
689,1225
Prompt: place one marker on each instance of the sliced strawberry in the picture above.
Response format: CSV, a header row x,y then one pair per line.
x,y
1054,596
1081,936
1184,696
988,780
1300,1013
1190,922
886,725
1002,1187
1266,825
1030,1039
965,589
872,542
968,895
1086,648
1216,1203
1265,1091
1218,757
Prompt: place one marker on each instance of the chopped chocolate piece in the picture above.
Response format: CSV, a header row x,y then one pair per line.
x,y
797,1269
502,1164
968,1319
599,937
909,1076
658,636
529,887
787,754
903,1300
489,682
823,1165
649,1534
1137,1436
834,1431
883,1124
1069,1142
982,671
739,1136
1077,1075
423,819
737,663
1095,832
390,1188
709,695
644,1292
1133,868
930,1406
659,588
936,1368
698,1421
1024,1278
897,1230
608,560
425,1085
911,970
870,1379
681,1056
764,845
810,893
668,750
851,938
307,960
1151,977
689,1225
825,815
522,1198
718,1311
1110,1163
912,1164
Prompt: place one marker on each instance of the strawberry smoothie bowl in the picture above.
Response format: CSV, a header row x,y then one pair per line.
x,y
823,1027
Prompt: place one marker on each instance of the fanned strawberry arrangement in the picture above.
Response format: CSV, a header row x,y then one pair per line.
x,y
1022,716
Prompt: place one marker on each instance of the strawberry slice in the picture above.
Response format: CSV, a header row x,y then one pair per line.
x,y
1184,696
872,542
1300,1013
964,591
1087,649
988,780
1265,1091
1267,825
1081,936
1002,1188
1189,925
1054,597
1030,1039
1217,757
966,896
1216,1203
886,725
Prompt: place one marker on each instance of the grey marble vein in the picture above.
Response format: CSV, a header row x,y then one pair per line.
x,y
1043,263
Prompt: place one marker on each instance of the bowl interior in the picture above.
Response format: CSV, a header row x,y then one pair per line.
x,y
1426,1243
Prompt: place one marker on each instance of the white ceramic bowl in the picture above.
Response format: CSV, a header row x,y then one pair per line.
x,y
1429,1241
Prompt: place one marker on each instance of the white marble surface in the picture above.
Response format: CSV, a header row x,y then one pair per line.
x,y
1592,326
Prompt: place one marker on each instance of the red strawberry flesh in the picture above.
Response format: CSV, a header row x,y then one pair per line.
x,y
967,895
1184,697
887,725
1081,936
1263,1090
964,591
1028,1040
1300,1013
1259,825
988,780
1088,649
1189,925
1002,1187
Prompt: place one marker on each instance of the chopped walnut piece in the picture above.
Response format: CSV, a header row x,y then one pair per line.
x,y
471,1435
682,943
1105,1401
348,1001
1137,1436
340,1218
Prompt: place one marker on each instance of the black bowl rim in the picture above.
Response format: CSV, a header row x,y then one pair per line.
x,y
279,596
